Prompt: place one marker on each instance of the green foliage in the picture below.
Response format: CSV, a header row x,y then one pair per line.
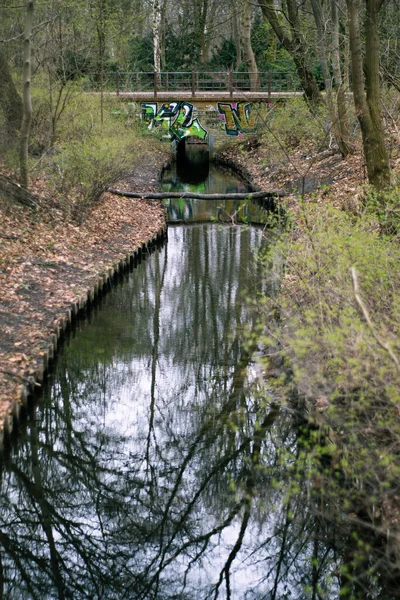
x,y
386,207
92,155
224,56
336,363
337,352
140,54
288,126
269,53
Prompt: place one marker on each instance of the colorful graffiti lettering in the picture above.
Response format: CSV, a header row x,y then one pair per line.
x,y
238,117
177,121
243,117
175,118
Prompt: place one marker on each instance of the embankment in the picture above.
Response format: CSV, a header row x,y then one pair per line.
x,y
52,268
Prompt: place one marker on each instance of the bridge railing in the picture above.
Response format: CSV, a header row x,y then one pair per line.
x,y
196,82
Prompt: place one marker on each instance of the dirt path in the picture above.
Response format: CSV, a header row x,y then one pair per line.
x,y
49,264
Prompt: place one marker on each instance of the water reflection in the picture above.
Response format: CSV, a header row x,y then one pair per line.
x,y
193,173
157,467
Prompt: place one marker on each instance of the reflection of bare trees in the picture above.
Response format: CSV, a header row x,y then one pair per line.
x,y
199,488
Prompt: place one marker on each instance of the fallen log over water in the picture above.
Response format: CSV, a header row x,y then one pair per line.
x,y
194,196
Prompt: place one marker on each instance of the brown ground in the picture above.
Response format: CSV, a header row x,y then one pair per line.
x,y
324,175
47,262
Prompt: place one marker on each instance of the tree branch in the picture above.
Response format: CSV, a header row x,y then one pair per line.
x,y
166,195
383,344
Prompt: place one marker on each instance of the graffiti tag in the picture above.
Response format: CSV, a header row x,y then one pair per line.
x,y
243,117
175,119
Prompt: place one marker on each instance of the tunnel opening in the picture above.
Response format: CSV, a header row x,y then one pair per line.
x,y
192,160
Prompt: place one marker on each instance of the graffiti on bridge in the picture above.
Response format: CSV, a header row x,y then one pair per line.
x,y
244,117
175,119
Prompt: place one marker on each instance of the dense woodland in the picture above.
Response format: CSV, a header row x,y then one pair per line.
x,y
329,341
335,47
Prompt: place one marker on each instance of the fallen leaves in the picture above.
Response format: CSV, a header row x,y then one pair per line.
x,y
47,263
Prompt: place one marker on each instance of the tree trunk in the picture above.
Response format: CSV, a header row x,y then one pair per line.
x,y
248,53
236,35
27,99
338,86
163,26
323,54
156,41
367,102
336,106
193,195
101,35
10,100
201,13
294,42
381,169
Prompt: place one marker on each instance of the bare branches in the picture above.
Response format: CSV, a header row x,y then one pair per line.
x,y
383,344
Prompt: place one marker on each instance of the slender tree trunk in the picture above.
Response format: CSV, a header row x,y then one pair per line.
x,y
101,36
381,169
201,13
236,34
248,53
27,99
323,54
336,105
367,102
156,40
300,54
10,100
102,51
338,85
163,35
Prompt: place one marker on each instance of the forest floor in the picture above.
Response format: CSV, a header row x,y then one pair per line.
x,y
48,260
318,176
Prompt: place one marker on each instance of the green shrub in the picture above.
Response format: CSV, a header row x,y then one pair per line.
x,y
92,155
341,348
286,127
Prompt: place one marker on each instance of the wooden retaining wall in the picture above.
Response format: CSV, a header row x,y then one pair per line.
x,y
20,407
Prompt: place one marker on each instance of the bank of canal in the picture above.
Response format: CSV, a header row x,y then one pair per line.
x,y
157,465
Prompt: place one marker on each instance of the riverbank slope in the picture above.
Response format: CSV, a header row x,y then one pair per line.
x,y
336,336
51,265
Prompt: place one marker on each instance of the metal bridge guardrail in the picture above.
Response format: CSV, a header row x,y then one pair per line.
x,y
196,82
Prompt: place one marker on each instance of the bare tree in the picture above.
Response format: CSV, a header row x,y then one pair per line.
x,y
27,99
156,38
293,40
248,53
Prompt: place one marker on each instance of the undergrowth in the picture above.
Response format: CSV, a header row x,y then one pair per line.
x,y
86,155
335,325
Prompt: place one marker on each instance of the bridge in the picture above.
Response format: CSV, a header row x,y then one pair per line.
x,y
208,107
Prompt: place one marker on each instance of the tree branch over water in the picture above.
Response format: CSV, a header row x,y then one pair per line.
x,y
166,195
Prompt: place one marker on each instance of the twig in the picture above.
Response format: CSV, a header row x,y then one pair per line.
x,y
383,344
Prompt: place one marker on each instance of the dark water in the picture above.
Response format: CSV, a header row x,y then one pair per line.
x,y
196,174
158,466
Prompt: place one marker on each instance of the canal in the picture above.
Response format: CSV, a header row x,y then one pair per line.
x,y
157,463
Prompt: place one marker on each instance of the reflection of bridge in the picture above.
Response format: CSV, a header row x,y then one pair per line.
x,y
212,107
